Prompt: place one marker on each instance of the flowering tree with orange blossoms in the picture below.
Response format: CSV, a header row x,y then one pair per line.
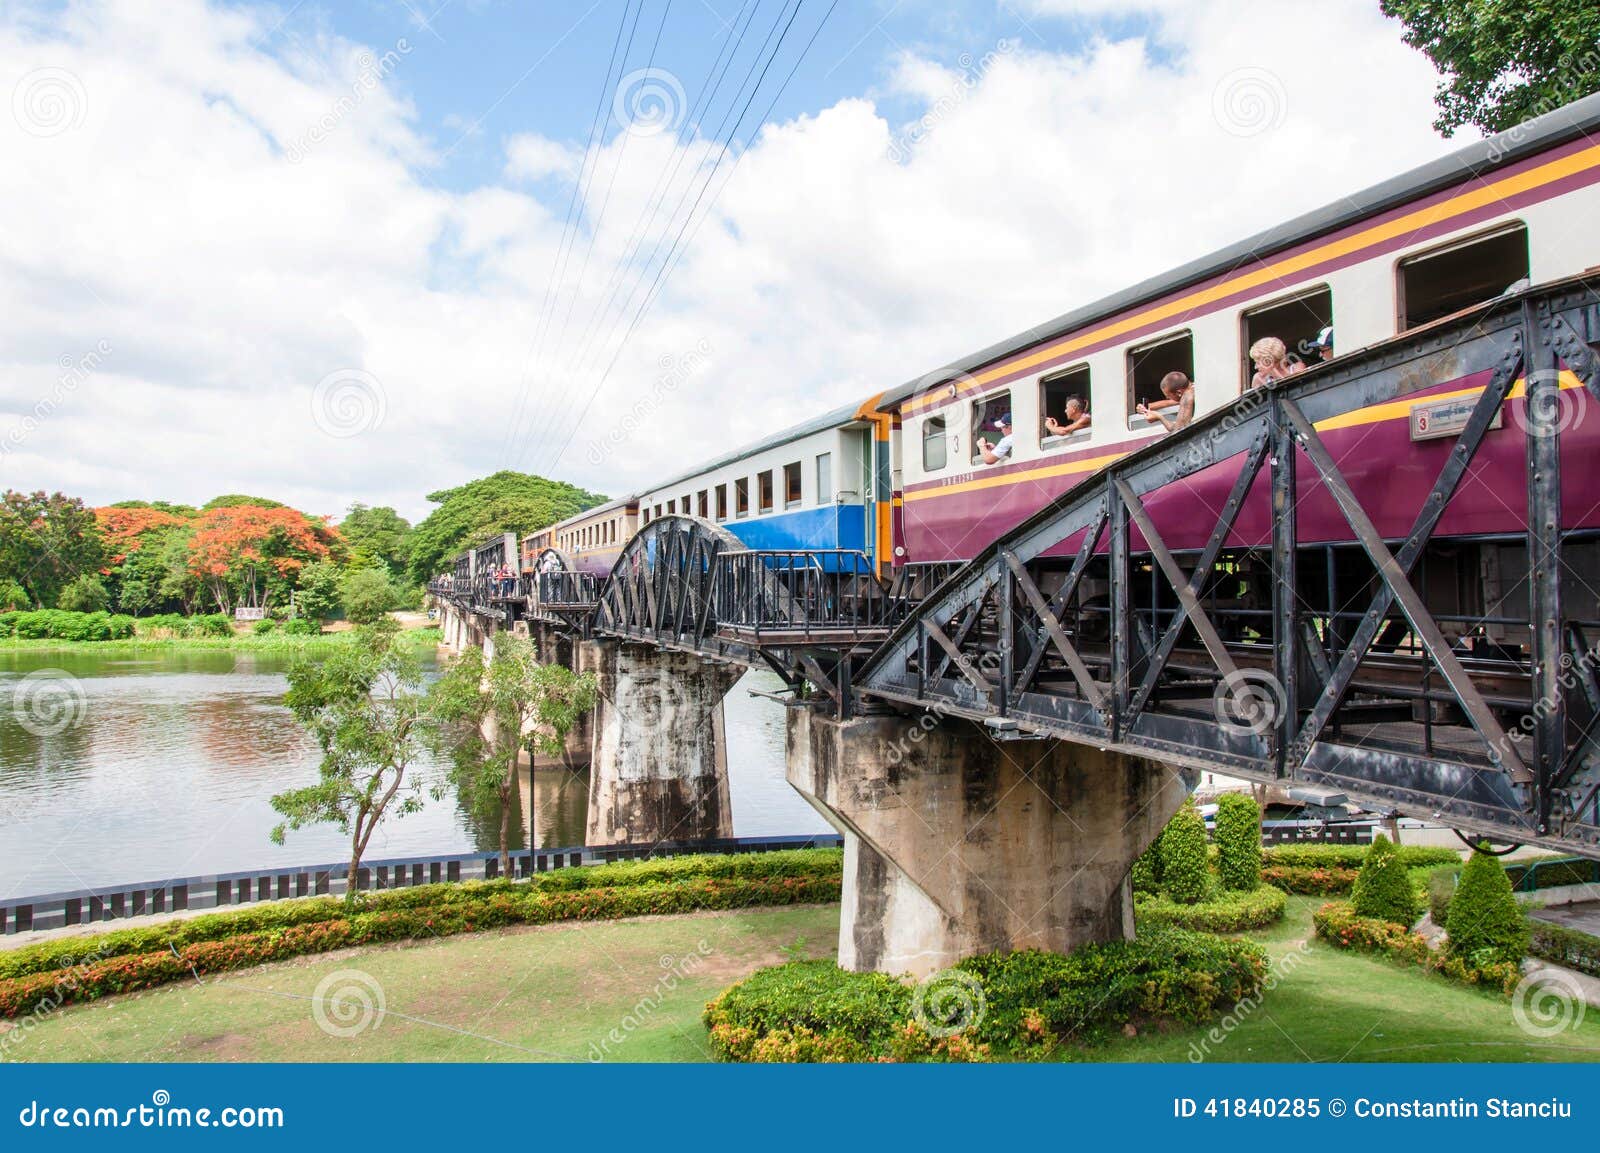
x,y
127,529
247,554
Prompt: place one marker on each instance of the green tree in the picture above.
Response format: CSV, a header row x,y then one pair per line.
x,y
380,534
365,706
1239,841
505,502
493,711
1184,869
84,594
12,596
45,541
1383,887
1503,61
318,597
367,595
1485,923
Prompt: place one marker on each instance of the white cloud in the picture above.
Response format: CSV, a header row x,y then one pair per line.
x,y
845,256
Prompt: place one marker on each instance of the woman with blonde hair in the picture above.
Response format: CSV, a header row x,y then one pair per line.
x,y
1272,361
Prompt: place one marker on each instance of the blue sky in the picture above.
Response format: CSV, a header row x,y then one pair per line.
x,y
481,70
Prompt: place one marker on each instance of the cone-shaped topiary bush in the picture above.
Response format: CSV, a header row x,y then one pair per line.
x,y
1239,841
1383,887
1184,871
1146,871
1485,923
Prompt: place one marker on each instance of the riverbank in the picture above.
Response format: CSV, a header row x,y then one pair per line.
x,y
274,642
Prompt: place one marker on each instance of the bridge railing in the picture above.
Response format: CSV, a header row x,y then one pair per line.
x,y
566,590
799,593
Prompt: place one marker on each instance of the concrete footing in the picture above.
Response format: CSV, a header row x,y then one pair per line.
x,y
659,768
957,844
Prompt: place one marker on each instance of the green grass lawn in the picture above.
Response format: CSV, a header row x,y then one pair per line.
x,y
559,991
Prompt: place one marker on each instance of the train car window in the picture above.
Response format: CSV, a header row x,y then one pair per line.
x,y
722,502
764,481
1055,392
935,445
986,415
741,496
1148,363
1460,274
702,505
791,485
658,512
1295,320
824,477
684,504
672,508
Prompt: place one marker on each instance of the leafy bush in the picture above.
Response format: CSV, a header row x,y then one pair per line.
x,y
13,597
366,595
1351,856
85,593
1230,911
1185,875
1314,881
1145,875
1025,1003
59,624
1337,923
1441,887
1238,839
1383,887
301,627
1485,924
264,626
1564,946
212,625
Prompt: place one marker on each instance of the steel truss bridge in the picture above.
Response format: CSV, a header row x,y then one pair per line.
x,y
1336,667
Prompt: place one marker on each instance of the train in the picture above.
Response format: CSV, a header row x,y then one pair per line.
x,y
900,476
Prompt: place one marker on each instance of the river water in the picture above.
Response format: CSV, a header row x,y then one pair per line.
x,y
164,762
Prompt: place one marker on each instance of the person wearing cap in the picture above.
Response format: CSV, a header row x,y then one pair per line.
x,y
1000,450
1272,361
1178,390
1322,346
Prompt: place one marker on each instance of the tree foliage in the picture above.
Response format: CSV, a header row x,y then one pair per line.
x,y
1239,841
491,711
1485,923
364,703
248,554
367,595
317,599
85,593
377,535
504,502
1383,887
1184,871
1504,61
46,541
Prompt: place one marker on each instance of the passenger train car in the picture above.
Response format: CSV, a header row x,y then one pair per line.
x,y
589,542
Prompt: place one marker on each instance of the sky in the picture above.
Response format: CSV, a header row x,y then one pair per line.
x,y
339,252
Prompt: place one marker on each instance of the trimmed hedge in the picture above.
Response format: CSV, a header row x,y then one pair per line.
x,y
1185,867
1338,924
1485,924
72,952
1383,887
1311,881
1022,1004
1238,837
1230,911
1563,946
1351,856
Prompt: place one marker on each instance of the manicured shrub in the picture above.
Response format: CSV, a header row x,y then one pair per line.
x,y
1313,881
1021,1004
1339,924
1441,887
1351,856
1185,875
1145,876
1238,838
1383,887
1485,923
1229,911
1564,946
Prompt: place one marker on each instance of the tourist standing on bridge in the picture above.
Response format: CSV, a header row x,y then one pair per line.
x,y
1179,391
1272,362
1077,417
999,451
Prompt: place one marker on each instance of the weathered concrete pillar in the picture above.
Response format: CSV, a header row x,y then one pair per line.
x,y
659,767
957,844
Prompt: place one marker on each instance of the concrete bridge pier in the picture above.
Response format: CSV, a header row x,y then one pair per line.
x,y
659,767
557,647
958,844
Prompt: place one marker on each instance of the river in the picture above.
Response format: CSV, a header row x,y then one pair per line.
x,y
165,761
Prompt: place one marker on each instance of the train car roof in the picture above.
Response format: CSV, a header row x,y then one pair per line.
x,y
620,502
1568,122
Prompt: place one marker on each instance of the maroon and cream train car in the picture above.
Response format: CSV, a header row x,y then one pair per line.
x,y
1521,208
589,542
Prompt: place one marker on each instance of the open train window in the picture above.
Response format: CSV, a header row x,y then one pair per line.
x,y
1295,320
722,502
764,481
1148,363
684,504
986,416
824,477
1055,394
672,508
702,505
791,485
741,496
1460,274
935,444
